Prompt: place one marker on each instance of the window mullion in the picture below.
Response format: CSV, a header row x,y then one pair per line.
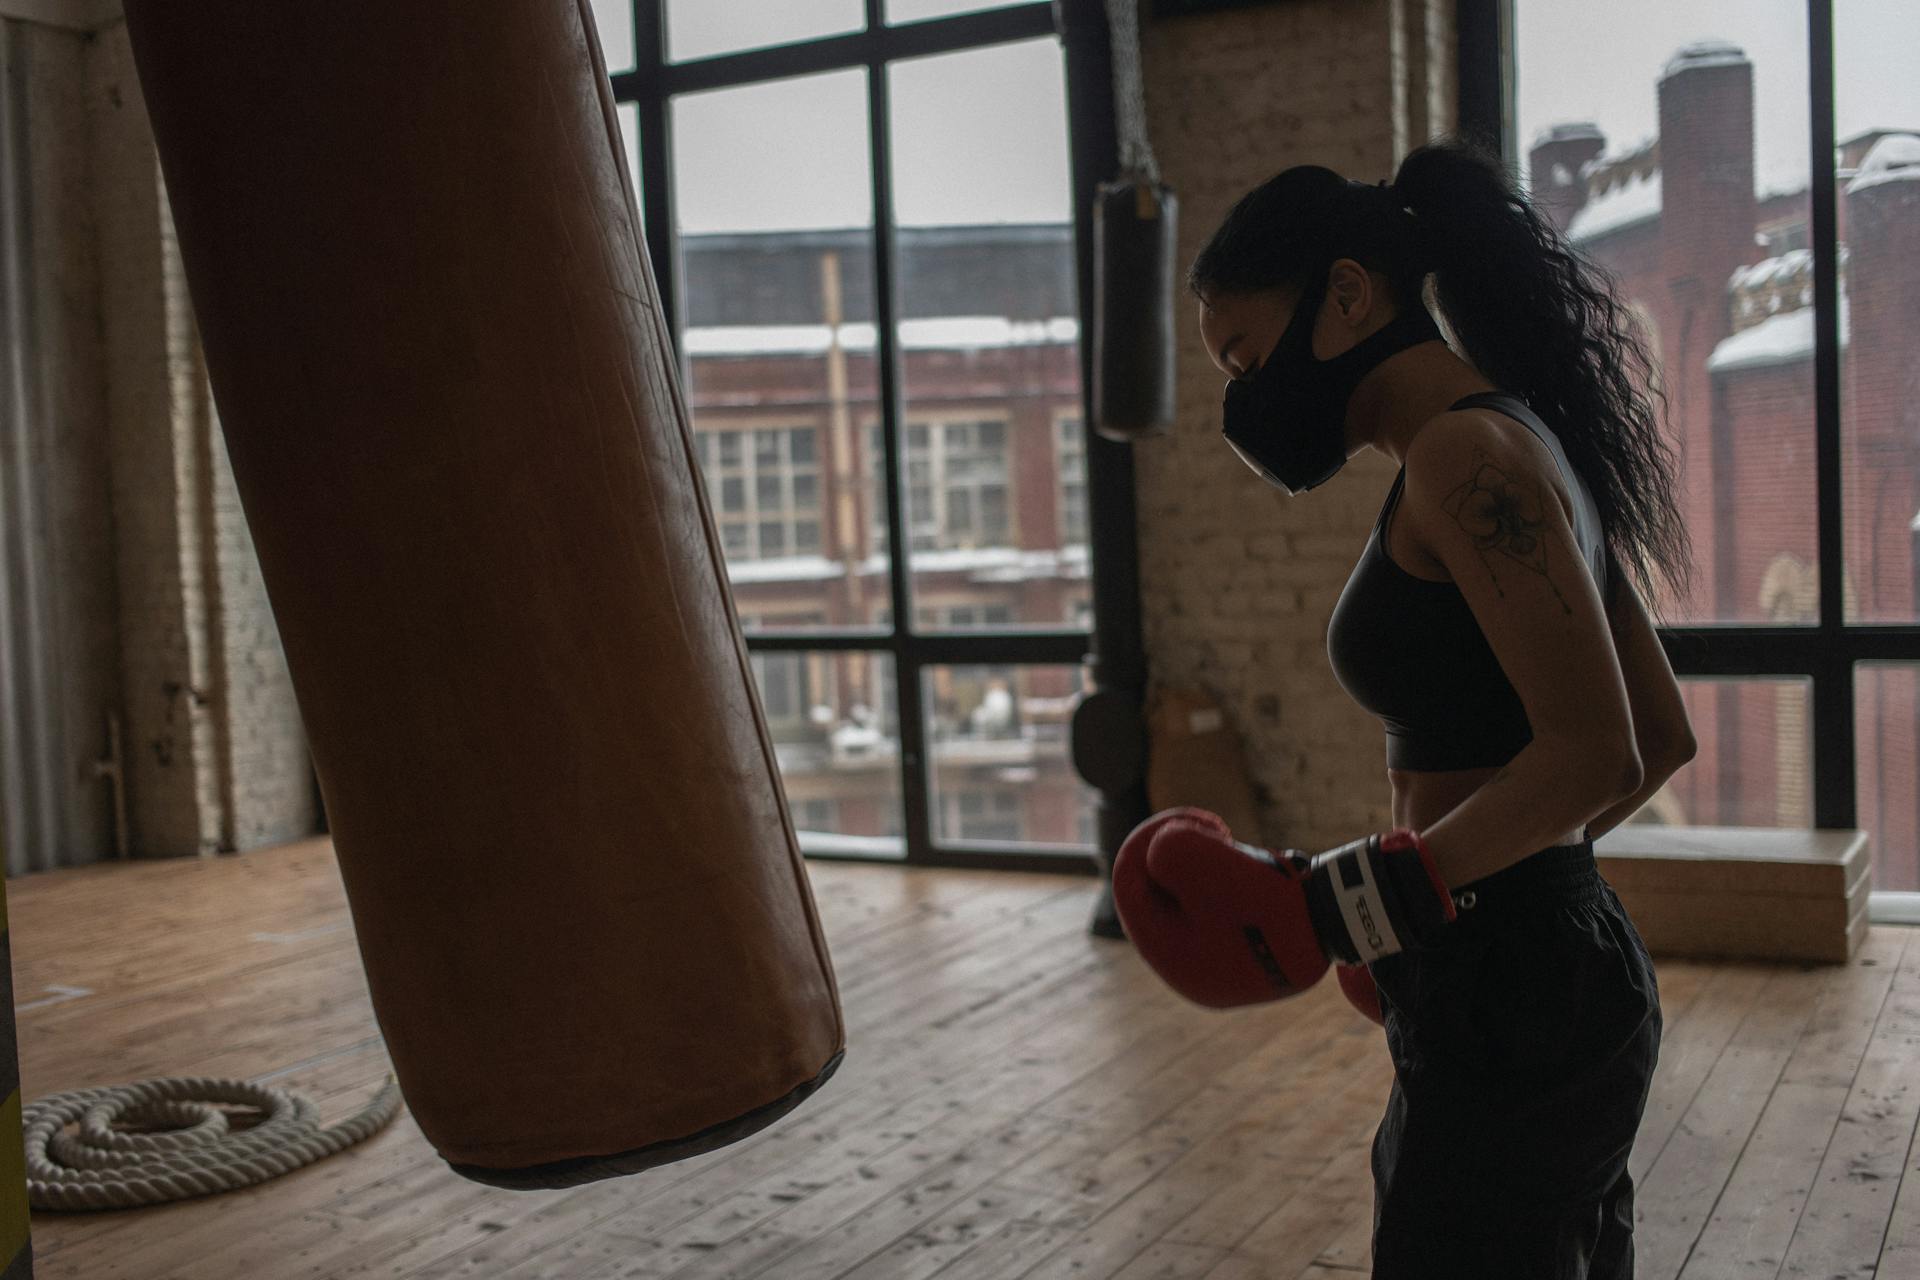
x,y
909,711
656,154
1833,701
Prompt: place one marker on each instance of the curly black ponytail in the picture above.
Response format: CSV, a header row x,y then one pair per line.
x,y
1541,322
1528,312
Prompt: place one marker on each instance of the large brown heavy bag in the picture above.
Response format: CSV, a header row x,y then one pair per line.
x,y
439,362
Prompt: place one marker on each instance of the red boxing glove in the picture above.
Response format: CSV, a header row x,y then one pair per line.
x,y
1222,923
1356,984
1143,833
1227,924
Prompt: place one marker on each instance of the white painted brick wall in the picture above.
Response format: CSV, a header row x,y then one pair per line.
x,y
217,756
156,671
271,798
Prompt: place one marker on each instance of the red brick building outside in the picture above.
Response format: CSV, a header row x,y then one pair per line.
x,y
782,379
1721,280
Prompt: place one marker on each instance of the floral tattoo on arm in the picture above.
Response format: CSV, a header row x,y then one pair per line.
x,y
1503,513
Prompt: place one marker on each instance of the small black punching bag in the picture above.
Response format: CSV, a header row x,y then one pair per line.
x,y
1134,229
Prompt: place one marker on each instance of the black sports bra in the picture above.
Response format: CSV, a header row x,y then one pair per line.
x,y
1409,649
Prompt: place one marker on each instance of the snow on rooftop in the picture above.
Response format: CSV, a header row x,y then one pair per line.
x,y
986,564
1637,156
1895,158
1782,339
784,569
1067,562
1772,271
1705,53
996,564
946,332
833,842
1571,131
757,339
940,333
1622,205
1779,270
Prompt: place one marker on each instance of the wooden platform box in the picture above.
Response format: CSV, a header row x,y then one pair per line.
x,y
1742,892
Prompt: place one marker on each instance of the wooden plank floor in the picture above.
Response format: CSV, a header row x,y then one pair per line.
x,y
1019,1100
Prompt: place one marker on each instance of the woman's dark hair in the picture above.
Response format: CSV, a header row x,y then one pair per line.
x,y
1531,314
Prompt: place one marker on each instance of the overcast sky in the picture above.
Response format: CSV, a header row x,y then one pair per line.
x,y
981,136
1601,62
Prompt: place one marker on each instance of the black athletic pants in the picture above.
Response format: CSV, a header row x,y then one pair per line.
x,y
1522,1050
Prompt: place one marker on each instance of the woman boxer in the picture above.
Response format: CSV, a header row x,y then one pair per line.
x,y
1491,624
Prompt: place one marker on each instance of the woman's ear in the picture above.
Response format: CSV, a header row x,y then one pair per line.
x,y
1351,290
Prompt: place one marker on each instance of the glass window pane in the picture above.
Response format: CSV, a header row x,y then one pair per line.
x,y
989,340
614,21
899,11
629,116
777,677
1887,770
707,28
1071,464
1754,765
1000,765
1877,123
774,197
1670,143
993,512
840,760
838,753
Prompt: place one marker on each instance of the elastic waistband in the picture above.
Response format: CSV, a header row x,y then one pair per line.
x,y
1564,873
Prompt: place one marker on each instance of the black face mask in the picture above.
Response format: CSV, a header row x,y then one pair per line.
x,y
1289,420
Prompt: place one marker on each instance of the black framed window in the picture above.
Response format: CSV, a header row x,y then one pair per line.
x,y
872,270
1750,176
763,483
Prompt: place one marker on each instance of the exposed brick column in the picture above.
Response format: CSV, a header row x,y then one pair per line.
x,y
1237,580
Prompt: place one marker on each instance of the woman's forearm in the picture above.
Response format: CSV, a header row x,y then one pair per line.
x,y
1547,790
1656,778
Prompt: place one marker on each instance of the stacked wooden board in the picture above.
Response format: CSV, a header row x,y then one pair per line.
x,y
1742,892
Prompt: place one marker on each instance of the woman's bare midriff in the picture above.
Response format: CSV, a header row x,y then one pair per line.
x,y
1422,799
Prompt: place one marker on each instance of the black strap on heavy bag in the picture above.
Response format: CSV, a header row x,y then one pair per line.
x,y
1134,228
